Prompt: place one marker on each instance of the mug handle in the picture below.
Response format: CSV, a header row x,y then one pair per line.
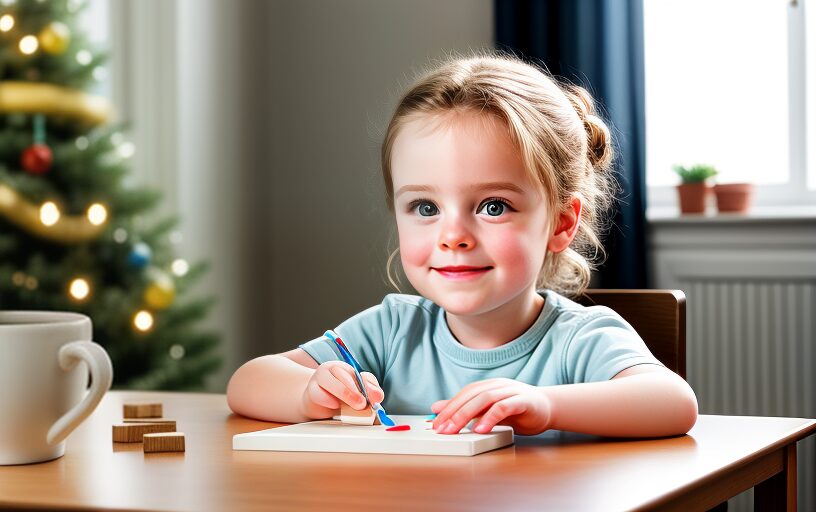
x,y
101,370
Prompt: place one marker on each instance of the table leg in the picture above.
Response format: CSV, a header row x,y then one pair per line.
x,y
779,491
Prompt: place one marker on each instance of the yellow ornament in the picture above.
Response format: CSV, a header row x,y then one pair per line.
x,y
50,99
160,293
55,37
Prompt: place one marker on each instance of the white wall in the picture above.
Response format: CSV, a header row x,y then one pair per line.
x,y
262,120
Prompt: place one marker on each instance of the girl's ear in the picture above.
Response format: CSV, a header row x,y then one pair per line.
x,y
566,226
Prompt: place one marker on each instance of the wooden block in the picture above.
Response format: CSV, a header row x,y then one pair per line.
x,y
151,410
150,420
133,432
164,442
352,416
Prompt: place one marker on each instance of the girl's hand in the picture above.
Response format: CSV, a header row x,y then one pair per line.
x,y
524,407
334,383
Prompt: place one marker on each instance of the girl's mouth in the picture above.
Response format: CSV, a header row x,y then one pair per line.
x,y
461,273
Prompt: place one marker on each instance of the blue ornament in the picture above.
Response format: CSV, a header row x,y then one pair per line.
x,y
139,256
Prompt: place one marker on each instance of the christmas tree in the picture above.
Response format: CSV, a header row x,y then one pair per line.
x,y
74,235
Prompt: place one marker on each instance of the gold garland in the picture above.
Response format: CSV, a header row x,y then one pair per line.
x,y
52,99
68,229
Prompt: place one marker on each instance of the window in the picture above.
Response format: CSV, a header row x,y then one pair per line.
x,y
725,85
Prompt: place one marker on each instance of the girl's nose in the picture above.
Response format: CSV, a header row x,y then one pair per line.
x,y
456,236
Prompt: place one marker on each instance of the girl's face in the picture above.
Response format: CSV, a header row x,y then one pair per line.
x,y
462,199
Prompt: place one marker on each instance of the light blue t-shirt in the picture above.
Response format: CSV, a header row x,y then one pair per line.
x,y
406,343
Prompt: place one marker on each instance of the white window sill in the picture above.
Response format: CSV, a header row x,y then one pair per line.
x,y
758,214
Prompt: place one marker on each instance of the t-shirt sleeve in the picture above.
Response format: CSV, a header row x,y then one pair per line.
x,y
365,334
603,346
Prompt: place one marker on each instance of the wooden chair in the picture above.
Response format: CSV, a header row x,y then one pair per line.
x,y
659,316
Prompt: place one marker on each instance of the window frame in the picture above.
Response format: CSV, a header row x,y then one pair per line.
x,y
795,192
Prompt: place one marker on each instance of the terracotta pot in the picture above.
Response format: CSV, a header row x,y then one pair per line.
x,y
734,197
692,197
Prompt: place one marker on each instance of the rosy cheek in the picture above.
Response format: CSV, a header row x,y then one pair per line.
x,y
415,246
514,254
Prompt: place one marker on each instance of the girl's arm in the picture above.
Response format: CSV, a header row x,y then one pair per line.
x,y
291,387
270,388
641,401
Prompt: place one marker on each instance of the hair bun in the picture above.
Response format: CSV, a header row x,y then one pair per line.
x,y
599,147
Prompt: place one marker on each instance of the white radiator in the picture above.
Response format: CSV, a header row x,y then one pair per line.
x,y
750,350
750,284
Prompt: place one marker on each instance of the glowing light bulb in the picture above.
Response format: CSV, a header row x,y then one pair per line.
x,y
6,22
97,214
126,149
176,352
18,278
180,267
84,57
29,44
79,289
143,321
49,213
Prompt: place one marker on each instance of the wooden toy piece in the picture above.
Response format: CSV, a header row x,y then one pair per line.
x,y
164,442
133,432
150,420
352,416
148,410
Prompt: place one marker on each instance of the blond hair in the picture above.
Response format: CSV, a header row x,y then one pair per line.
x,y
563,144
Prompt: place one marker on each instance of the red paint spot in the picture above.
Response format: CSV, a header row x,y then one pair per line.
x,y
398,427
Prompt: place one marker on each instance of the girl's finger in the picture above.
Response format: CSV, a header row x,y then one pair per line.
x,y
370,380
439,405
465,395
499,411
475,407
339,383
375,392
323,398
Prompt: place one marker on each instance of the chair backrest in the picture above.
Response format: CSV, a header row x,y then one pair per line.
x,y
659,316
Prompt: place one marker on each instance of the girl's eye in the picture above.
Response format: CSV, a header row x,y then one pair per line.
x,y
494,207
424,208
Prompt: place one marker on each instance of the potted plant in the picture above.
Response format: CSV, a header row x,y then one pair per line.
x,y
693,188
734,197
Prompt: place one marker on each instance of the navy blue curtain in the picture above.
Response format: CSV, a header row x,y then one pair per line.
x,y
597,44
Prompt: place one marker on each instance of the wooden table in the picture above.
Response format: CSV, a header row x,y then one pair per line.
x,y
721,457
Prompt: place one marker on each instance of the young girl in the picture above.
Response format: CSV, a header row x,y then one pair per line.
x,y
497,176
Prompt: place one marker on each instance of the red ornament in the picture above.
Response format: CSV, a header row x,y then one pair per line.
x,y
37,159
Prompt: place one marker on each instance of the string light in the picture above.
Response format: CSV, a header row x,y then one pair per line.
x,y
79,289
180,267
49,213
120,235
31,282
126,149
82,143
18,278
99,73
97,214
84,57
176,352
143,321
29,44
6,22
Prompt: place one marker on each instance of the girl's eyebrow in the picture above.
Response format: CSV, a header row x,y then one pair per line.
x,y
479,187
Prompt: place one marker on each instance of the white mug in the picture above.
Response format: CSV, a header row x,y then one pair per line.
x,y
43,377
